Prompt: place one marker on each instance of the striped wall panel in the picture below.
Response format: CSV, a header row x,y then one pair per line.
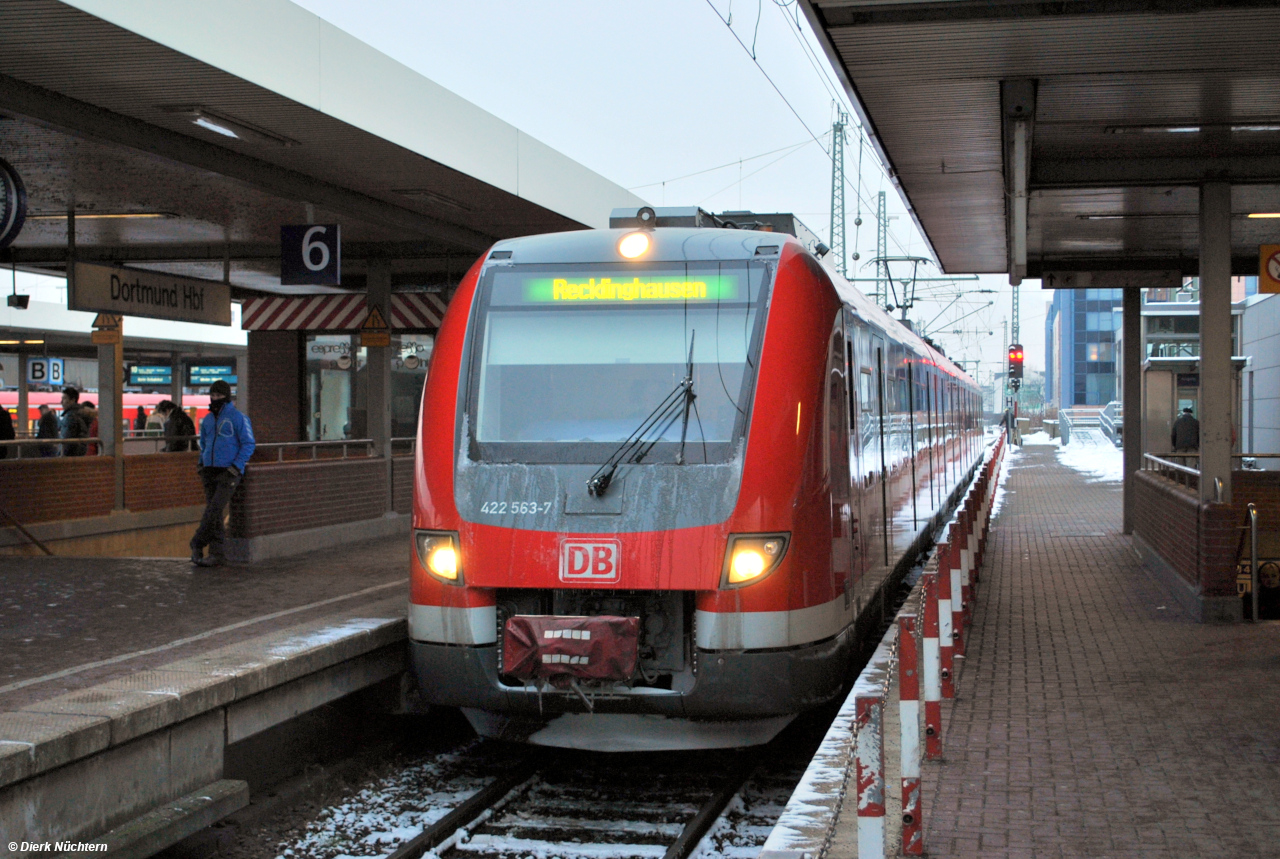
x,y
338,312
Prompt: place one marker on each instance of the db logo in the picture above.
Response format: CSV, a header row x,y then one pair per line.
x,y
589,562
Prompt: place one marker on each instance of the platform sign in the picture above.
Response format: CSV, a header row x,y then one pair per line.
x,y
1159,279
1269,268
154,294
155,375
199,375
46,371
375,332
108,330
311,255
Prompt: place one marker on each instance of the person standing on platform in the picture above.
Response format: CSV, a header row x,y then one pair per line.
x,y
178,426
6,431
72,423
226,443
140,420
89,411
47,427
1185,435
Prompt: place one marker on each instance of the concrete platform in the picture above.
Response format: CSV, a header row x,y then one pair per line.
x,y
1095,716
125,681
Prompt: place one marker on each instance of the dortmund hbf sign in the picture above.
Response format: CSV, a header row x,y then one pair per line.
x,y
135,292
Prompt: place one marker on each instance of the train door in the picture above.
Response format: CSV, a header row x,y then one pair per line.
x,y
859,380
837,463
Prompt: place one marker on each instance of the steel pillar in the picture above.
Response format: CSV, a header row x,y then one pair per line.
x,y
1216,384
1131,362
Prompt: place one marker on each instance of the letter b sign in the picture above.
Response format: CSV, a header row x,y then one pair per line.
x,y
311,254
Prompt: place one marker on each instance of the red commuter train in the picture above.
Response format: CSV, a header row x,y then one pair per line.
x,y
664,477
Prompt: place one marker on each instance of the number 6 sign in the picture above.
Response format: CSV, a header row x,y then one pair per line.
x,y
311,254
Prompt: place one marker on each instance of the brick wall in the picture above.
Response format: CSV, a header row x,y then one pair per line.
x,y
161,481
402,484
273,499
45,490
1219,543
276,385
1167,518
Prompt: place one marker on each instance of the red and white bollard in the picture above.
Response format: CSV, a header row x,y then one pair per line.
x,y
946,621
909,716
955,541
932,668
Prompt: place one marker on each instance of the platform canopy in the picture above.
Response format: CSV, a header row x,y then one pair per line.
x,y
185,134
1126,107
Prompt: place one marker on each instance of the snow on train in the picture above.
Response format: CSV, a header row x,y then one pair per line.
x,y
664,474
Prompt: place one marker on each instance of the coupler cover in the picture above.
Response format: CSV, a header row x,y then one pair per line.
x,y
591,648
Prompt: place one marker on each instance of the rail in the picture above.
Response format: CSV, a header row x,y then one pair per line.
x,y
316,447
411,442
1189,477
19,444
1111,420
1253,558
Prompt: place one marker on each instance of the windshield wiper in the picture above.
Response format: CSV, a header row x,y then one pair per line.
x,y
633,448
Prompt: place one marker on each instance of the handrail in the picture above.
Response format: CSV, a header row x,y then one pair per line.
x,y
280,446
1164,463
1253,558
1217,489
24,532
20,443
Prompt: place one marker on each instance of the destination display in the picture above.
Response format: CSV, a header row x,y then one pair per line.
x,y
206,374
637,288
134,292
158,375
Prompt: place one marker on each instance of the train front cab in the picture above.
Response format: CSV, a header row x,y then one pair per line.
x,y
778,426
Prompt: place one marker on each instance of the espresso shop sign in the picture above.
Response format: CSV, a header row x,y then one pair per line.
x,y
134,292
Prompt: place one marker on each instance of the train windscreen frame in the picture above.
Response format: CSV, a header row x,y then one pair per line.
x,y
567,361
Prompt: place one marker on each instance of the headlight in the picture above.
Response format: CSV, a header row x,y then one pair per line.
x,y
438,554
751,557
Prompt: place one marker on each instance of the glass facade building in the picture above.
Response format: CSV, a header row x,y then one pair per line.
x,y
1080,347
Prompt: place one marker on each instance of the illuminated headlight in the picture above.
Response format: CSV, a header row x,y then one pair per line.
x,y
633,245
751,557
438,554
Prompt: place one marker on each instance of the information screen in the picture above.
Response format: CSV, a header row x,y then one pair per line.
x,y
207,374
648,288
150,374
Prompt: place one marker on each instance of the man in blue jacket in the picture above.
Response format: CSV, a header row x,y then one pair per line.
x,y
226,443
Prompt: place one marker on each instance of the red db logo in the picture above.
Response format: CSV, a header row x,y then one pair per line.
x,y
589,562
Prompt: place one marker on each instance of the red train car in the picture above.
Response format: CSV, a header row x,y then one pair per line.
x,y
663,474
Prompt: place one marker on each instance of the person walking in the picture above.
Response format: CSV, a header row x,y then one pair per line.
x,y
72,423
6,432
178,426
1185,435
47,427
226,443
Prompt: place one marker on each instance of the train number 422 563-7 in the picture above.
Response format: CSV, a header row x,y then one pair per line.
x,y
500,508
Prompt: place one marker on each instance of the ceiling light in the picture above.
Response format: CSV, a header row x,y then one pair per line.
x,y
1265,215
227,126
1260,127
100,216
1152,129
205,122
32,342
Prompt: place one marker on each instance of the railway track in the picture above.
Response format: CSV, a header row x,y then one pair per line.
x,y
490,801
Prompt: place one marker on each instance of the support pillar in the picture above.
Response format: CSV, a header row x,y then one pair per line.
x,y
1131,362
1216,384
24,404
110,410
177,380
378,373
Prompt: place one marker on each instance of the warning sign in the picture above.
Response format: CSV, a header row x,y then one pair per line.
x,y
375,332
1269,268
108,329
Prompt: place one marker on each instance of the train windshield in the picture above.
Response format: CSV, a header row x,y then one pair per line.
x,y
569,361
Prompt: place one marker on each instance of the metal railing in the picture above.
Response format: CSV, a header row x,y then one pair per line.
x,y
1189,477
1252,513
22,444
1111,420
404,446
319,450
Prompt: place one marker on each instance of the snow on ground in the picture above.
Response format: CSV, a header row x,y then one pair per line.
x,y
1093,454
1040,437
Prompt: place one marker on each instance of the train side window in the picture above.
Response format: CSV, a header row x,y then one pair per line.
x,y
864,389
852,388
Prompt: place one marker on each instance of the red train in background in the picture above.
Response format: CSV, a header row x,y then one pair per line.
x,y
665,472
53,399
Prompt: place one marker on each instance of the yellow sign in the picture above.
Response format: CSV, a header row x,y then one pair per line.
x,y
375,332
1269,268
108,329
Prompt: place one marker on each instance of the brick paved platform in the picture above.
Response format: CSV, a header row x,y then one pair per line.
x,y
72,623
1095,718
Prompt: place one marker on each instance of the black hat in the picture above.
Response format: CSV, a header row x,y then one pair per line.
x,y
220,387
